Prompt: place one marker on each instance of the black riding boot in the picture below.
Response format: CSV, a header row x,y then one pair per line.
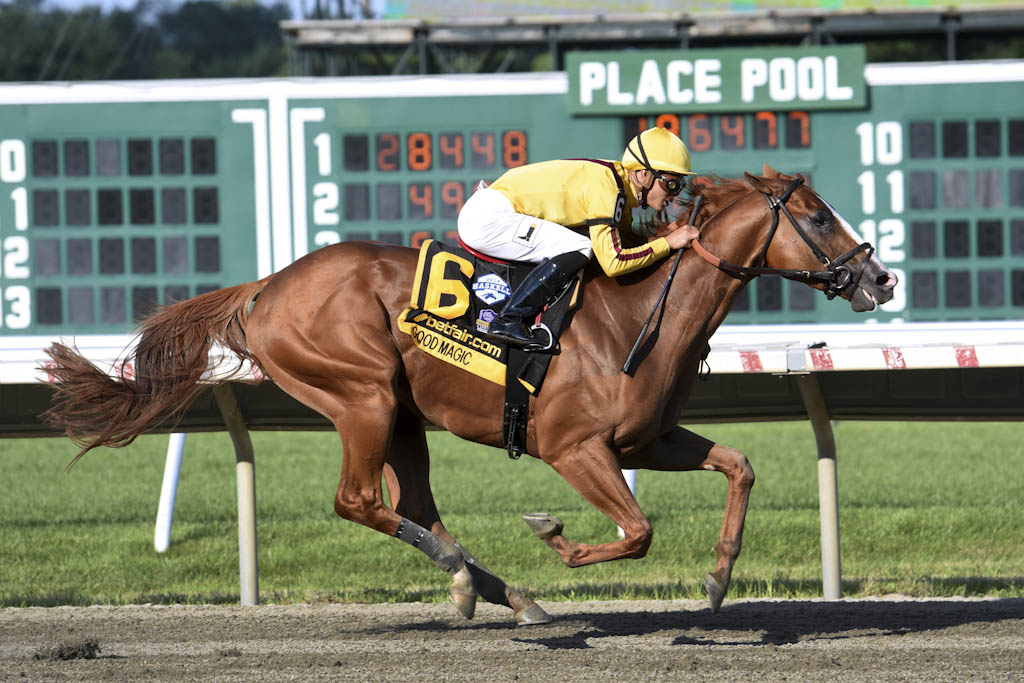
x,y
542,285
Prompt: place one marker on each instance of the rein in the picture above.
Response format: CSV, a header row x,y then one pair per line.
x,y
836,279
664,290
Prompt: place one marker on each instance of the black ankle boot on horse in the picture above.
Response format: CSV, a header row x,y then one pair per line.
x,y
542,286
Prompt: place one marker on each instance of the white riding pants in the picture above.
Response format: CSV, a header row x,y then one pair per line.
x,y
489,223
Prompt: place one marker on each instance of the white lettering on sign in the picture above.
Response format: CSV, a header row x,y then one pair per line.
x,y
753,75
782,79
676,69
17,301
809,79
683,82
15,263
615,96
12,161
325,204
651,88
19,196
834,91
707,81
592,77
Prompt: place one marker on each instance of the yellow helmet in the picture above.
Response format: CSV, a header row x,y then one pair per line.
x,y
657,149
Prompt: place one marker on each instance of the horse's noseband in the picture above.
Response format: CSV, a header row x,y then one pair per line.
x,y
837,278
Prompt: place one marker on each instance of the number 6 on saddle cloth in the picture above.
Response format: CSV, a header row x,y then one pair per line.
x,y
454,298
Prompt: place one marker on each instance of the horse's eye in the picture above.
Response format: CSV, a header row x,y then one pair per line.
x,y
821,219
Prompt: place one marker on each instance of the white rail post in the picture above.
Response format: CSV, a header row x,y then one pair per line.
x,y
828,497
168,492
245,475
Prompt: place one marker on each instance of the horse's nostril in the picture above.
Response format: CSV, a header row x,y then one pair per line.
x,y
884,279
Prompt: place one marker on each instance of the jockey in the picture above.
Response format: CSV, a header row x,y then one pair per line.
x,y
559,213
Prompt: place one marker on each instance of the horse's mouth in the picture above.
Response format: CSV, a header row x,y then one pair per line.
x,y
863,301
877,285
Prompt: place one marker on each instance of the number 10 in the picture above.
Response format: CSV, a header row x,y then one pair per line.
x,y
882,143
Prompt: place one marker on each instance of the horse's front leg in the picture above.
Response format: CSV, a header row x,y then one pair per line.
x,y
591,469
681,450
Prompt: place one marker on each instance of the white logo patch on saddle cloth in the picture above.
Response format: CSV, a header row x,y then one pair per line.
x,y
491,288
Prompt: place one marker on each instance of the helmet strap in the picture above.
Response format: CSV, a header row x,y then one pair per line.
x,y
643,156
644,189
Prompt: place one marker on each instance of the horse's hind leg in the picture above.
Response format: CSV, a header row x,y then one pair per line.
x,y
408,479
682,450
360,402
360,499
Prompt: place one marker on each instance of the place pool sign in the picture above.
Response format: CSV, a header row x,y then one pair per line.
x,y
735,80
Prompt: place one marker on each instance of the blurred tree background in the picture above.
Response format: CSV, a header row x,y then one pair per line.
x,y
194,39
41,40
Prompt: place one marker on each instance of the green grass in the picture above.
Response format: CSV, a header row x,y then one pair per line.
x,y
928,509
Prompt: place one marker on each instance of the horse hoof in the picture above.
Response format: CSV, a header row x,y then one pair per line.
x,y
545,526
532,615
462,592
714,591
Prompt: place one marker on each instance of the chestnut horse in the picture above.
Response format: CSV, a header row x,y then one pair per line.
x,y
324,330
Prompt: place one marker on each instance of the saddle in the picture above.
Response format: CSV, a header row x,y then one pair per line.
x,y
455,295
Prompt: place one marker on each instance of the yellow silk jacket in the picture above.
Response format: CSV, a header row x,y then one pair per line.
x,y
582,195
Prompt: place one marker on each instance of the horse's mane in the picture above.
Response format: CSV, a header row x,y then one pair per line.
x,y
718,192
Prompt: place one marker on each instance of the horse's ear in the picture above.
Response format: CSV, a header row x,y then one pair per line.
x,y
769,172
759,184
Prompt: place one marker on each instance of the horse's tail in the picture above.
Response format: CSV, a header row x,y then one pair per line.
x,y
160,377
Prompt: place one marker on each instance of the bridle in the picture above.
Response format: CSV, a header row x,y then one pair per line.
x,y
836,279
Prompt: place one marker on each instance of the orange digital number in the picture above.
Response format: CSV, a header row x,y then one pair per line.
x,y
768,122
421,200
733,132
482,147
420,158
514,144
417,239
451,150
804,123
669,121
699,133
387,152
453,196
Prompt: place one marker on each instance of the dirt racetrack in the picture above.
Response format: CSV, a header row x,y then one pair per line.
x,y
854,640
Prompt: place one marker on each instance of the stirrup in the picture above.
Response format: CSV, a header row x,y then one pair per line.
x,y
539,347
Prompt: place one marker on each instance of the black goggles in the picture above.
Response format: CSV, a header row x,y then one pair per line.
x,y
673,186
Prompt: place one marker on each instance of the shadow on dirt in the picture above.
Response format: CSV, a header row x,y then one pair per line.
x,y
777,623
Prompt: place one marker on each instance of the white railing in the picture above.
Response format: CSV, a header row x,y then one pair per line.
x,y
806,353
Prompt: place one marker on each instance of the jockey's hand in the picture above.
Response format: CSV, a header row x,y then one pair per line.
x,y
682,236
